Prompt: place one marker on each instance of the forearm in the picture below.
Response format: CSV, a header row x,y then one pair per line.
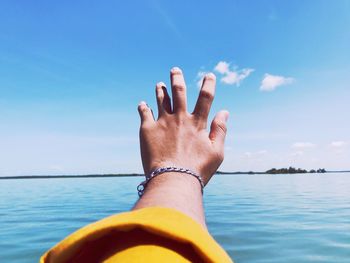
x,y
178,191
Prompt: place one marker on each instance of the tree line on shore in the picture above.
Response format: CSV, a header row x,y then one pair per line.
x,y
292,170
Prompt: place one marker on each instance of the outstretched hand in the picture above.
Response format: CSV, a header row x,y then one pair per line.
x,y
179,138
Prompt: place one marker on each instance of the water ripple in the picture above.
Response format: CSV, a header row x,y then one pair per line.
x,y
256,218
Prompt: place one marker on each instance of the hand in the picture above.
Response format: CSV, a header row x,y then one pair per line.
x,y
179,138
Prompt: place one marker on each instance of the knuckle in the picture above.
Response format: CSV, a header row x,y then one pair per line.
x,y
143,109
221,126
180,117
179,88
160,96
207,95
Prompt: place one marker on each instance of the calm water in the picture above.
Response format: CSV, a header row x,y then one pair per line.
x,y
279,218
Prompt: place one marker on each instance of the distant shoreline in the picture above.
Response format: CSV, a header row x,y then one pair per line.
x,y
251,172
129,175
68,176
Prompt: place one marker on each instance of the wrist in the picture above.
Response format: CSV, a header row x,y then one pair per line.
x,y
169,169
205,170
174,181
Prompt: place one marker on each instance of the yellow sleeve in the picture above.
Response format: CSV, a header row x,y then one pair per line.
x,y
152,234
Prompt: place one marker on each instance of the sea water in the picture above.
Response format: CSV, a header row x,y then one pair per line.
x,y
256,218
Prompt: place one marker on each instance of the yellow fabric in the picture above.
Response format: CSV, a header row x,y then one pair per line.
x,y
147,235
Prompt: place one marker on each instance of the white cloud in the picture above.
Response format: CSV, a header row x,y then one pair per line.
x,y
338,144
303,145
222,67
234,76
271,82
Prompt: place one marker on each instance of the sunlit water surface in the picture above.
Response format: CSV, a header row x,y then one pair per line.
x,y
256,218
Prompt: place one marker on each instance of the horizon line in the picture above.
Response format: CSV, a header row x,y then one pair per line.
x,y
135,174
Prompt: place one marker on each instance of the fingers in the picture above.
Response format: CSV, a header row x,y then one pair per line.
x,y
218,129
146,113
205,99
178,88
163,99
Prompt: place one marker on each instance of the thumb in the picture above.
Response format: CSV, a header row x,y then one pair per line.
x,y
218,129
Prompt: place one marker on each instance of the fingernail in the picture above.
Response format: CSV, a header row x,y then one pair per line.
x,y
160,84
210,75
176,70
142,103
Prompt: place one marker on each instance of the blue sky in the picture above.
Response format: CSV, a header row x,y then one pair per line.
x,y
72,74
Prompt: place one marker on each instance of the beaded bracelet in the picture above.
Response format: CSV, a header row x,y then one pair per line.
x,y
142,186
